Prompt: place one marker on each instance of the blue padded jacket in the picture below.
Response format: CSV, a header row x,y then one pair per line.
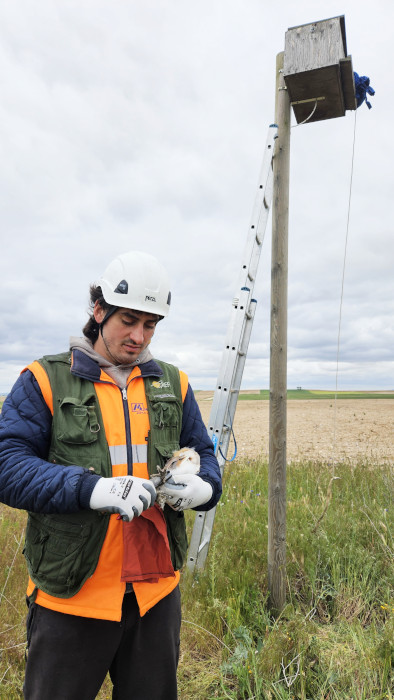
x,y
30,482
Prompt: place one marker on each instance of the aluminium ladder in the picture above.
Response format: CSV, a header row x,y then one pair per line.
x,y
236,346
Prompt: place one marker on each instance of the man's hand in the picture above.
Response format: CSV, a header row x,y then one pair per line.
x,y
127,495
184,491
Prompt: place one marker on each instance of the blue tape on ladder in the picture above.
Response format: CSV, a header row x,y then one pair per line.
x,y
214,439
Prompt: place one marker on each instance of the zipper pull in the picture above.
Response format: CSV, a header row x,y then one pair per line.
x,y
124,394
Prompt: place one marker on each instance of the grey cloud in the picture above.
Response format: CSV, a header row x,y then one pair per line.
x,y
142,126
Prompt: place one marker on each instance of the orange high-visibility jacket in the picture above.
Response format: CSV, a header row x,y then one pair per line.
x,y
102,594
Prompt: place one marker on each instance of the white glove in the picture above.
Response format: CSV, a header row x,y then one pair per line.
x,y
127,495
184,491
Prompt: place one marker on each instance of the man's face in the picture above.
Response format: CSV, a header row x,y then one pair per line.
x,y
125,335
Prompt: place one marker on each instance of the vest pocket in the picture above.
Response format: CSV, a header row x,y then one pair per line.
x,y
55,551
166,411
77,437
77,421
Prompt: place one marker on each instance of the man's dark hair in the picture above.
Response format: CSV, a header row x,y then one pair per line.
x,y
91,328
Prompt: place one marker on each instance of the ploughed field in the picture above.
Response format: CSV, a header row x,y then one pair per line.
x,y
322,430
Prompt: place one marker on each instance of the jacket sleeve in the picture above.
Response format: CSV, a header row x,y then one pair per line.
x,y
194,434
27,479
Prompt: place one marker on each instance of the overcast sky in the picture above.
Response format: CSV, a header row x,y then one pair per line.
x,y
142,125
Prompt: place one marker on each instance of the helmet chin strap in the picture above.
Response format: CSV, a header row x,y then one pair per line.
x,y
108,315
115,362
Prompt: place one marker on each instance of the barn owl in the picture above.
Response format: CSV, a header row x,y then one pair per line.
x,y
183,461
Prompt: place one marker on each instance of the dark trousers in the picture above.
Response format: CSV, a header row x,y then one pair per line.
x,y
68,656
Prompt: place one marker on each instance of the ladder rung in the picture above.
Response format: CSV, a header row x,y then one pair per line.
x,y
203,543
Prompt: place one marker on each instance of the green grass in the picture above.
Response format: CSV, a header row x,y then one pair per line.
x,y
13,581
334,638
305,394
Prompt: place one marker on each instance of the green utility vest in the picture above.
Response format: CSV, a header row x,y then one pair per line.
x,y
62,551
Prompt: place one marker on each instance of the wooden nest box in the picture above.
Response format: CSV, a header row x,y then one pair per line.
x,y
317,72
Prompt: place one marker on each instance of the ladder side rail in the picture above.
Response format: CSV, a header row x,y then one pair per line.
x,y
220,432
230,350
198,550
261,208
228,370
203,524
255,244
225,429
243,353
261,205
252,250
229,361
265,172
234,327
251,255
234,340
233,360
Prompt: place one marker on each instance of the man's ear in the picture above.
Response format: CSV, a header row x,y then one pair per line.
x,y
98,312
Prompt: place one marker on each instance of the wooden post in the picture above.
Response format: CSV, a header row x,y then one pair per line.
x,y
278,362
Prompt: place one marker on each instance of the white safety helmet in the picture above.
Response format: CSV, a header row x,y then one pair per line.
x,y
136,280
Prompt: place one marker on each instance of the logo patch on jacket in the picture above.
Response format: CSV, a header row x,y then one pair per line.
x,y
138,408
161,385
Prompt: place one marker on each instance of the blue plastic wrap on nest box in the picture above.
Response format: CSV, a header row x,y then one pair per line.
x,y
362,88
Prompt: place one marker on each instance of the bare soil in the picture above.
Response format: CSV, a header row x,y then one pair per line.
x,y
318,430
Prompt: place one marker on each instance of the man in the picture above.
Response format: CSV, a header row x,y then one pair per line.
x,y
80,435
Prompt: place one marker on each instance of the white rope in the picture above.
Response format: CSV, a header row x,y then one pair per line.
x,y
342,290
